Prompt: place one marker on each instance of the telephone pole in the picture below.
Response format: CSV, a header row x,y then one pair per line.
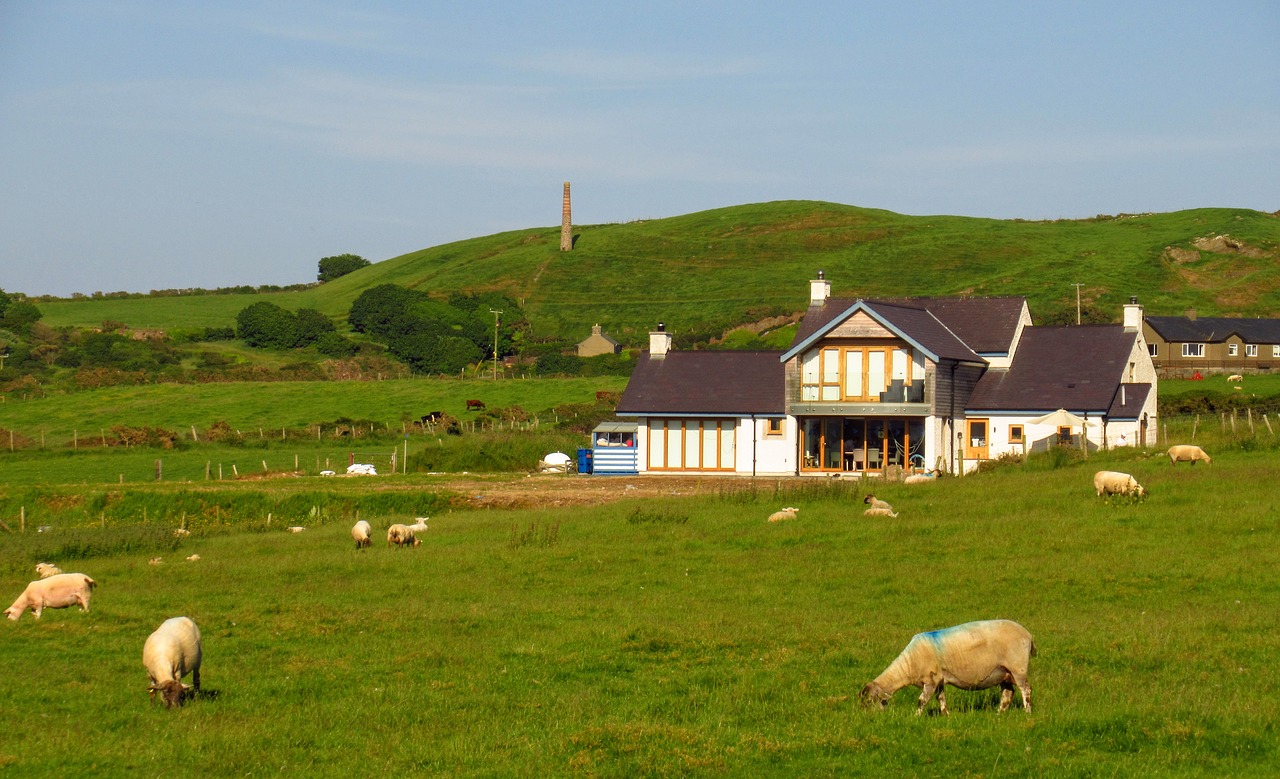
x,y
496,314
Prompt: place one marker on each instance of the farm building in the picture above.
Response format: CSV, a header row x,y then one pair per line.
x,y
872,386
598,343
1184,345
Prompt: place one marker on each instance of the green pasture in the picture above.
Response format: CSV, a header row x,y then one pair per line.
x,y
677,636
743,263
272,410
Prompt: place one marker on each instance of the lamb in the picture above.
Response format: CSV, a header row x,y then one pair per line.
x,y
181,532
1235,377
400,535
193,558
47,569
419,524
1117,483
784,514
879,508
56,592
170,653
296,529
972,656
362,533
1187,453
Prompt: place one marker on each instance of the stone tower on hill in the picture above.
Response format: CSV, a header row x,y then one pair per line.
x,y
566,222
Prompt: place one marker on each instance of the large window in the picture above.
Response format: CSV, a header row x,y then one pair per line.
x,y
691,444
1250,350
1193,350
857,444
836,374
1232,349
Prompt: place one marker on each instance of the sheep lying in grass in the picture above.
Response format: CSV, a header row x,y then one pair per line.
x,y
47,569
400,535
170,653
57,592
782,515
1187,453
362,533
181,532
296,529
878,508
1117,483
972,656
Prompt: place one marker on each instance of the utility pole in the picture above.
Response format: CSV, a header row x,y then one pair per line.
x,y
496,314
1077,286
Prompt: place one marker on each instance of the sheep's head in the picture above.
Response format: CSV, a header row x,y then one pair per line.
x,y
170,692
13,612
869,498
874,695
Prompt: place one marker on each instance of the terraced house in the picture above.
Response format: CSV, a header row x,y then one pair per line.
x,y
871,386
1184,345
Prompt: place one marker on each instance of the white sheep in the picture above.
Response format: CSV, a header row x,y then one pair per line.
x,y
193,558
156,561
1235,377
57,592
878,508
419,524
972,656
400,535
296,529
47,569
362,533
170,653
1117,483
784,514
1187,453
181,532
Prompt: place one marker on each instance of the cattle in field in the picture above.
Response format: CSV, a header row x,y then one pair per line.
x,y
475,405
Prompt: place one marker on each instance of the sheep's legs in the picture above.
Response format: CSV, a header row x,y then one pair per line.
x,y
927,691
1006,695
1024,687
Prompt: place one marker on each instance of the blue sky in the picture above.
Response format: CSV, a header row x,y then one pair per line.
x,y
154,145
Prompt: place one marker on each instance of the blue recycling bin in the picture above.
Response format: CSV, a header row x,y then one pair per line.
x,y
584,461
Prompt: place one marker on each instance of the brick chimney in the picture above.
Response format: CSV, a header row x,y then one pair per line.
x,y
1133,315
819,290
566,222
659,342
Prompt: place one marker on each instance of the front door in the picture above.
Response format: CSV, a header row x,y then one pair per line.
x,y
976,439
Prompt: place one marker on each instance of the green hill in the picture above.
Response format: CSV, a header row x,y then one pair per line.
x,y
713,269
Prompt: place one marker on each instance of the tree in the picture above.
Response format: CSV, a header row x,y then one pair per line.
x,y
19,316
340,265
266,325
310,325
378,308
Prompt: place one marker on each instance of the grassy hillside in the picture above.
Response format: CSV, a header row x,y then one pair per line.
x,y
731,265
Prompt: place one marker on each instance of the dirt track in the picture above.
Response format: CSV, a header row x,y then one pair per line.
x,y
574,490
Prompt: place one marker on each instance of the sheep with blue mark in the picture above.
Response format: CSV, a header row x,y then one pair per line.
x,y
972,656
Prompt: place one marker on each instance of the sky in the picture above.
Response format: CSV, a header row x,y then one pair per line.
x,y
149,145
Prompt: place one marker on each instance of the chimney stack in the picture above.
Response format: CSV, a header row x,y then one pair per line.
x,y
1133,315
566,222
819,290
659,342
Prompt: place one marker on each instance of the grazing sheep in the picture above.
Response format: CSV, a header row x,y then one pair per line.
x,y
1235,377
1187,453
57,592
781,515
170,653
296,529
362,533
156,561
400,535
47,569
181,532
972,656
193,558
1117,483
879,508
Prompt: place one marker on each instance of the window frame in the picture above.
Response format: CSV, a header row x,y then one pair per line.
x,y
1190,349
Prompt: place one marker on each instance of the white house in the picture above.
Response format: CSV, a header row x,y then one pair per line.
x,y
916,383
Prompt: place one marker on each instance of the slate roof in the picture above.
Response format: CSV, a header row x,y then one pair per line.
x,y
1128,403
1077,368
951,328
706,383
1215,329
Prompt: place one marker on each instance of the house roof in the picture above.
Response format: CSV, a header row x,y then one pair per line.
x,y
1215,329
948,328
1129,401
705,383
912,322
1076,368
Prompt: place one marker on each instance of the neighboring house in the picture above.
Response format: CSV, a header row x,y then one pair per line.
x,y
597,343
870,385
1185,345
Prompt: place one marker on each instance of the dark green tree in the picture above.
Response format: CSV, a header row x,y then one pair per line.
x,y
265,325
340,265
310,325
377,308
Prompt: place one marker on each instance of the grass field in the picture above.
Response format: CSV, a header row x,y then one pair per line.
x,y
682,636
740,263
